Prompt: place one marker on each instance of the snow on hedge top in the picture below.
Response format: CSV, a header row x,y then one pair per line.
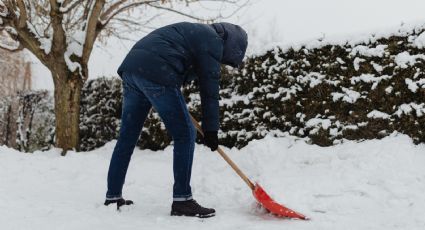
x,y
420,41
353,40
370,85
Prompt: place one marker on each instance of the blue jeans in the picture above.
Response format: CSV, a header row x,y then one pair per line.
x,y
139,97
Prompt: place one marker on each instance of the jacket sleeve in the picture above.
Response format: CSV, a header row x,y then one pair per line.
x,y
208,71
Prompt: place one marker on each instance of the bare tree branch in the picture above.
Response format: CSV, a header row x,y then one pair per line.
x,y
67,5
3,10
119,8
122,9
178,12
50,24
106,15
27,39
12,49
22,14
18,29
92,29
86,13
113,7
59,37
240,7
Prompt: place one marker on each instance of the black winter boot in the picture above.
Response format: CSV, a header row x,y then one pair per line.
x,y
190,208
120,202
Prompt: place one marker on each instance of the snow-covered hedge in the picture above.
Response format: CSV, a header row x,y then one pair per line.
x,y
100,112
352,91
324,93
27,121
332,92
329,92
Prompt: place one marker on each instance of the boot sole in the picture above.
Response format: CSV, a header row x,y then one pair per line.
x,y
174,213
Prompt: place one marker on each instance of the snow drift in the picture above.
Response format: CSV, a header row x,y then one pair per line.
x,y
375,184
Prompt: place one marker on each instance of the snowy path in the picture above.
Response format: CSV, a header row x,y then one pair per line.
x,y
369,185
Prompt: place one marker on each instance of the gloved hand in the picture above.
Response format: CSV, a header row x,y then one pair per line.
x,y
211,139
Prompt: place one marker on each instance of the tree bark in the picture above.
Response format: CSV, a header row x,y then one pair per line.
x,y
12,125
68,87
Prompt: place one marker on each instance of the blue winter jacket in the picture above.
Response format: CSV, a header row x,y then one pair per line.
x,y
178,53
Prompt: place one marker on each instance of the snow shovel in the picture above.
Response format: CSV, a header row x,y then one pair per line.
x,y
260,195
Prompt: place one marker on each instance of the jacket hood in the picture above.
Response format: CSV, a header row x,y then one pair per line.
x,y
235,42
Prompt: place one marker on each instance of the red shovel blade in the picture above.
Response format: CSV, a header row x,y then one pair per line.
x,y
268,203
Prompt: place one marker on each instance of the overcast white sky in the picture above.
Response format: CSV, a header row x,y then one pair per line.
x,y
276,21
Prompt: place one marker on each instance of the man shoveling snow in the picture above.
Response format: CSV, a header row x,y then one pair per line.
x,y
153,72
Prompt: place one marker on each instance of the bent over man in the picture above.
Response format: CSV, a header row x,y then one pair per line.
x,y
153,73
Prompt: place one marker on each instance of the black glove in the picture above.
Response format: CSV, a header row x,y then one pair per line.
x,y
211,140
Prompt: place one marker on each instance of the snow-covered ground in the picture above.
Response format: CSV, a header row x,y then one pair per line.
x,y
376,184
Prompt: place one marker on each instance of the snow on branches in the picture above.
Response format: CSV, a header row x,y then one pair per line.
x,y
3,10
64,31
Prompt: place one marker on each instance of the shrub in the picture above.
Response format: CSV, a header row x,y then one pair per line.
x,y
325,94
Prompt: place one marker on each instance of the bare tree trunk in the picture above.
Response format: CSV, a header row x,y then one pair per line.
x,y
67,108
27,84
12,125
8,122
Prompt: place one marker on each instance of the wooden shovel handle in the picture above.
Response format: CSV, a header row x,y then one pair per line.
x,y
225,157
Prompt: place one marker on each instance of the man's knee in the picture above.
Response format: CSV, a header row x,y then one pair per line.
x,y
186,135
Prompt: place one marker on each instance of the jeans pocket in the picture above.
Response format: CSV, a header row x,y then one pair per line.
x,y
128,90
154,91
